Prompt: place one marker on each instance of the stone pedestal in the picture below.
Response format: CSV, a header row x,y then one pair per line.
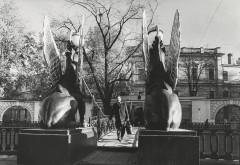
x,y
55,147
180,147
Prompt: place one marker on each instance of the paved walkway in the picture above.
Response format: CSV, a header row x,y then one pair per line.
x,y
128,141
110,151
101,157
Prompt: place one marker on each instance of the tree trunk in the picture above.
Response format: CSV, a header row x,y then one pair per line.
x,y
189,89
107,106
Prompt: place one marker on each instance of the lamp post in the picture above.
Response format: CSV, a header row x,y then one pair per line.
x,y
75,38
199,114
78,41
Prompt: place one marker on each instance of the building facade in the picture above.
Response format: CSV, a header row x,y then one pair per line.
x,y
207,87
204,69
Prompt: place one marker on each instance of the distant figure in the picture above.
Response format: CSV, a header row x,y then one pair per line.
x,y
121,117
206,124
225,121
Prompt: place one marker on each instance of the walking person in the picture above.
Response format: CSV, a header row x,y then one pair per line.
x,y
206,124
121,117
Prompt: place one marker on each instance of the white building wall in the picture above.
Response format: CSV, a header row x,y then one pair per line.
x,y
233,73
200,110
36,110
220,69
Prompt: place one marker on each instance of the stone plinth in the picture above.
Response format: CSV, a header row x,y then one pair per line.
x,y
180,147
60,147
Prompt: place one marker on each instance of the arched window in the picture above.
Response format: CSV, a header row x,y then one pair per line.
x,y
228,114
16,114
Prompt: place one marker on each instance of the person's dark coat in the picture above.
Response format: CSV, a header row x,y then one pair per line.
x,y
120,113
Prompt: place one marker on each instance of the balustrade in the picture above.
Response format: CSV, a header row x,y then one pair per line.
x,y
9,135
9,139
229,154
217,141
214,145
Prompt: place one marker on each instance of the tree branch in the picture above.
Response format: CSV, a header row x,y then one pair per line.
x,y
101,93
127,58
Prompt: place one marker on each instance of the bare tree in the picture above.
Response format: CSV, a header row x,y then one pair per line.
x,y
193,67
106,43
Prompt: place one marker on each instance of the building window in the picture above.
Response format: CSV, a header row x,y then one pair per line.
x,y
211,74
141,75
225,75
225,93
211,94
194,73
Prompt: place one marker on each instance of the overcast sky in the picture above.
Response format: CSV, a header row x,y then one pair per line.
x,y
204,23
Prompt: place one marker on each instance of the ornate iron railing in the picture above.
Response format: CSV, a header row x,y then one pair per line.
x,y
217,141
103,125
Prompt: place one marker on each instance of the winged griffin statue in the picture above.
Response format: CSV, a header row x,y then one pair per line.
x,y
59,109
162,108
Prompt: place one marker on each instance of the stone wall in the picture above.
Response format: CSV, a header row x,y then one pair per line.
x,y
34,106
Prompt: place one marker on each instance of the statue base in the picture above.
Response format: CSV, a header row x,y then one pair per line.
x,y
180,147
55,146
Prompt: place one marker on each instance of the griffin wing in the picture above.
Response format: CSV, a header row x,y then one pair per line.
x,y
51,54
145,41
172,55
